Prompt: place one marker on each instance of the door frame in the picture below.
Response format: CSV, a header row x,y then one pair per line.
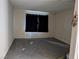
x,y
74,34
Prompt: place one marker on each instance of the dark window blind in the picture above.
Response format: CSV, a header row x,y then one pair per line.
x,y
36,23
43,23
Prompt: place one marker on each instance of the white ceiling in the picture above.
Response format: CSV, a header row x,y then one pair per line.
x,y
43,5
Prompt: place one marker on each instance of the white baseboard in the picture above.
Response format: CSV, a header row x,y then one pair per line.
x,y
5,52
60,44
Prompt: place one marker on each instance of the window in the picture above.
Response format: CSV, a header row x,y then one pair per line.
x,y
36,23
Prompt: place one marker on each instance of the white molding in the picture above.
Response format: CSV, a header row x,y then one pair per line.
x,y
5,52
36,12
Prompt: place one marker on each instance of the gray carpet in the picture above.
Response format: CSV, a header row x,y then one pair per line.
x,y
35,49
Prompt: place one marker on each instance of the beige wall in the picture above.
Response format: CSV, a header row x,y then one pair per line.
x,y
19,26
6,27
59,26
62,25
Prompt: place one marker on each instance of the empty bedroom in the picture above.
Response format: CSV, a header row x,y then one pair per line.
x,y
38,29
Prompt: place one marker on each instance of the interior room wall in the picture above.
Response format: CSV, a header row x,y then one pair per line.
x,y
6,27
62,25
59,26
19,26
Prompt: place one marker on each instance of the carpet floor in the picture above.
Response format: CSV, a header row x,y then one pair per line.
x,y
35,49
